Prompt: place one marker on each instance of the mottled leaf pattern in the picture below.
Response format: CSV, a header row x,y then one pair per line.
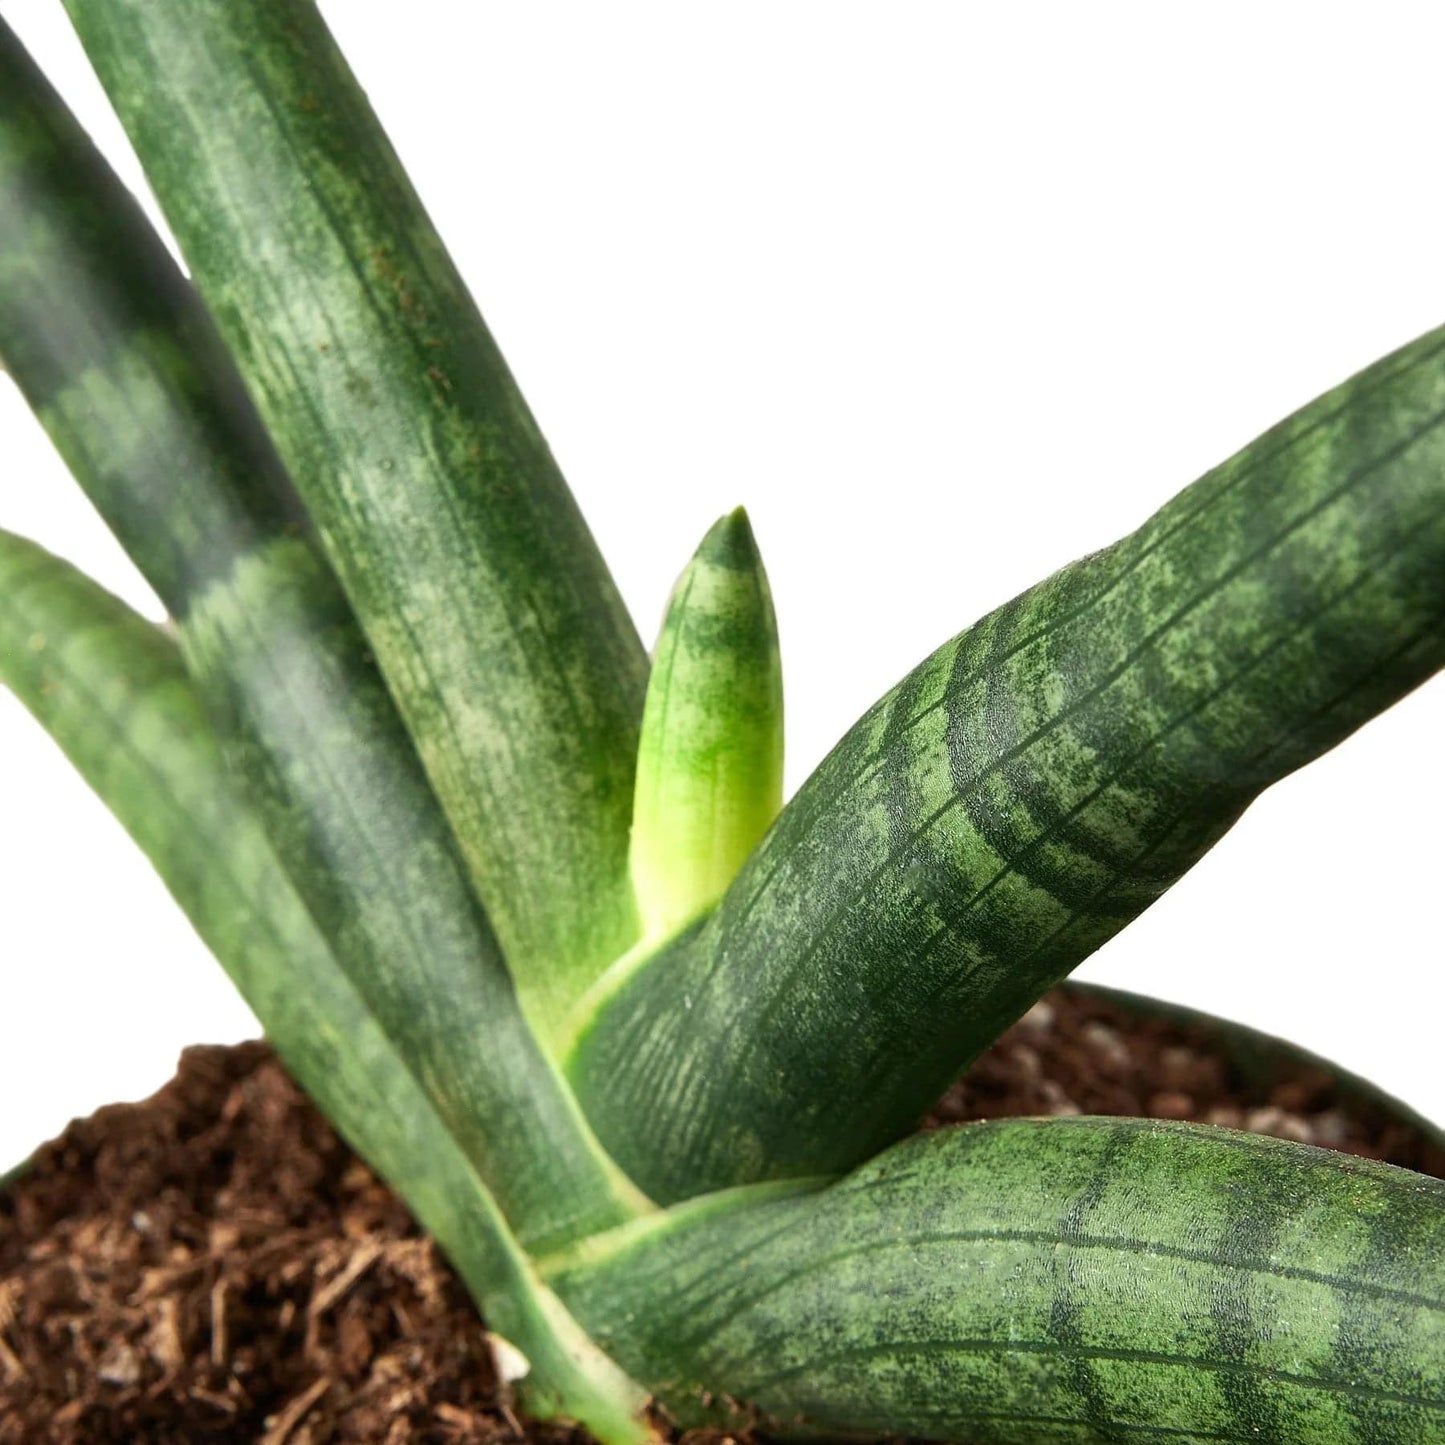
x,y
112,691
1029,789
118,358
478,584
710,764
1060,1280
405,711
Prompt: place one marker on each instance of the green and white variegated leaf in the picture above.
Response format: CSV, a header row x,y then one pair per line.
x,y
116,354
113,692
710,763
1061,1281
1028,790
463,553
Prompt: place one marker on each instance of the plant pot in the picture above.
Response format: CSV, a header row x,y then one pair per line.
x,y
215,1264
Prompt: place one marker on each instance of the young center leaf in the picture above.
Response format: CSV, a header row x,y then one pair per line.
x,y
1059,1281
479,587
1028,790
710,764
112,690
115,353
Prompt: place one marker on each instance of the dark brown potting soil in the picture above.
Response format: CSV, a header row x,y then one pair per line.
x,y
215,1265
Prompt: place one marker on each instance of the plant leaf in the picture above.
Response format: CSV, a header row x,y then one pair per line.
x,y
118,358
1068,1280
113,692
710,763
479,586
1029,789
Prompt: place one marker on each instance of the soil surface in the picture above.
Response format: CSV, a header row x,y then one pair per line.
x,y
215,1265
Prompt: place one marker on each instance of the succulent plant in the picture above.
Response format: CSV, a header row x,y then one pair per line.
x,y
642,1048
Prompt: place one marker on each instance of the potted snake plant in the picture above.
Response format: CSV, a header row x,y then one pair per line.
x,y
528,918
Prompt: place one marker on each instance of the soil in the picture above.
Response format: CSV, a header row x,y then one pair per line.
x,y
214,1264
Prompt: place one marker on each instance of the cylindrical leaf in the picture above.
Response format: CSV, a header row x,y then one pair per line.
x,y
1077,1281
479,586
112,691
710,764
1028,790
116,354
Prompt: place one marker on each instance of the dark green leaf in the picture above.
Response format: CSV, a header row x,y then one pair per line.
x,y
113,349
113,692
461,549
1028,790
1059,1280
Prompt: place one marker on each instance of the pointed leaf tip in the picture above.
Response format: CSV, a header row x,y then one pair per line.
x,y
730,543
710,762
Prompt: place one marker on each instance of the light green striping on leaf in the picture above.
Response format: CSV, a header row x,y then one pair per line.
x,y
112,691
116,353
1061,1280
482,593
113,350
311,728
1027,791
710,764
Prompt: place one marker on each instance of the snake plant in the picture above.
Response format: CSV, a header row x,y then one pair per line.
x,y
642,1047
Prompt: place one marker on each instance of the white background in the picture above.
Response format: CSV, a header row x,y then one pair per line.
x,y
947,294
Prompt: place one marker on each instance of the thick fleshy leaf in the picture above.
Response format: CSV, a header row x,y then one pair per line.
x,y
113,692
479,586
115,353
710,763
1029,789
1060,1280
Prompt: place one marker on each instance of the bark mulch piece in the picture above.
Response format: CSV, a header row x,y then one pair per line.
x,y
213,1264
